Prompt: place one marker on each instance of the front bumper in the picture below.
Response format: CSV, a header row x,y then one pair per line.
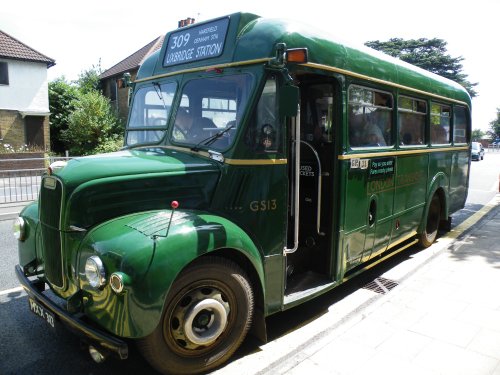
x,y
91,335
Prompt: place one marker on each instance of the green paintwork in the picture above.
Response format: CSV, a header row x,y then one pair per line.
x,y
136,246
27,248
118,205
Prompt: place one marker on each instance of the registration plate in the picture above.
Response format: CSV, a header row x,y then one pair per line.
x,y
43,313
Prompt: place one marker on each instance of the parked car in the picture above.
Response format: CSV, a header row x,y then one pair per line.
x,y
477,151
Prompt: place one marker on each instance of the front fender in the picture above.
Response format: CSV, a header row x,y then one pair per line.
x,y
139,246
27,248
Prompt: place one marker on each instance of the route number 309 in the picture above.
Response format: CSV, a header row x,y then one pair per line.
x,y
179,41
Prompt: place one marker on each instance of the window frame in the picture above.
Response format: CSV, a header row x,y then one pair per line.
x,y
467,135
363,103
414,111
450,128
4,70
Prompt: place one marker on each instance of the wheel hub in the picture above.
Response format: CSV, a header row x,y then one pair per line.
x,y
205,322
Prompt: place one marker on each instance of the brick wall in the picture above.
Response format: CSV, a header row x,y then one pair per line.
x,y
11,128
13,161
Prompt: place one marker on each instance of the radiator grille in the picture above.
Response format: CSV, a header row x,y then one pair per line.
x,y
51,195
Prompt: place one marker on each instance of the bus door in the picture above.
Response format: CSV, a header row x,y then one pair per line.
x,y
309,266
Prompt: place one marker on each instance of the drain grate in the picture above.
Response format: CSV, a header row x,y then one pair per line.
x,y
381,285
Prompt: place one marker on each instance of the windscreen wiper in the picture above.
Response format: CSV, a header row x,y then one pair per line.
x,y
157,88
208,141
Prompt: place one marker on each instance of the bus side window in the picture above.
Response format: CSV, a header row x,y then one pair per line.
x,y
370,118
411,121
459,124
440,124
263,133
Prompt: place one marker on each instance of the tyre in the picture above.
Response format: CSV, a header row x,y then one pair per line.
x,y
429,234
207,315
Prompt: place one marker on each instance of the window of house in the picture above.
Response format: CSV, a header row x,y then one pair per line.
x,y
4,73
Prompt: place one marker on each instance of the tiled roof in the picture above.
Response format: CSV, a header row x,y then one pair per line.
x,y
135,60
12,48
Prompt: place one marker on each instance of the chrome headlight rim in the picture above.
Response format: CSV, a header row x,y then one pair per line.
x,y
116,282
19,229
95,272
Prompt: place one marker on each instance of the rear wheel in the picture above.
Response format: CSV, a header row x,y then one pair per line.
x,y
429,234
207,316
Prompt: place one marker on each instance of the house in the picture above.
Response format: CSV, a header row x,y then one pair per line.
x,y
24,96
110,79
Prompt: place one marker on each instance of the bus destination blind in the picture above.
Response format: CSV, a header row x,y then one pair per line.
x,y
196,43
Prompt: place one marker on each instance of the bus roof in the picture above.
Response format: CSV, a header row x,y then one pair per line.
x,y
251,38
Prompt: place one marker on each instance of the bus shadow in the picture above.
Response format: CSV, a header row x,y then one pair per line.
x,y
283,323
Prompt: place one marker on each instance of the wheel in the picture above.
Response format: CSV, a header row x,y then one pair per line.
x,y
429,234
207,315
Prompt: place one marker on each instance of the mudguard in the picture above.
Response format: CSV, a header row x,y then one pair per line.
x,y
151,249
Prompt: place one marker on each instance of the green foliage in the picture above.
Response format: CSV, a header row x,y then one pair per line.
x,y
62,99
6,148
82,120
92,125
88,80
494,131
428,54
477,134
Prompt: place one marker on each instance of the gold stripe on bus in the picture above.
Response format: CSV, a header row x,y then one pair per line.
x,y
205,68
256,161
381,81
402,239
401,152
232,161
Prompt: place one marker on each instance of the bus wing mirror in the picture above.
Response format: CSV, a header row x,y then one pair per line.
x,y
289,100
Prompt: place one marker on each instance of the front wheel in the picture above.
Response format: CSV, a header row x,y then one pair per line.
x,y
429,234
208,314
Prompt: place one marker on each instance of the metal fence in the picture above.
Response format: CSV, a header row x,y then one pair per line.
x,y
494,148
19,182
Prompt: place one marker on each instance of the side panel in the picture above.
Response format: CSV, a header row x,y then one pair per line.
x,y
459,180
410,194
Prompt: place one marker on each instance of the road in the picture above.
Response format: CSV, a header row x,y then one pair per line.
x,y
28,345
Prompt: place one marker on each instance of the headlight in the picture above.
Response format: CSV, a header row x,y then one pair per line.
x,y
95,272
19,229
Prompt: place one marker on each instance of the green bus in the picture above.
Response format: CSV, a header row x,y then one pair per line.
x,y
264,164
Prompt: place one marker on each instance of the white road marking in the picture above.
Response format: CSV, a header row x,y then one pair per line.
x,y
13,290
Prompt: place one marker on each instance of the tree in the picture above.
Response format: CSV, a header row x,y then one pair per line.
x,y
477,134
82,120
428,54
88,80
494,131
62,99
92,126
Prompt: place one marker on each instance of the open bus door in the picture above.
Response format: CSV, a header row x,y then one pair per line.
x,y
308,262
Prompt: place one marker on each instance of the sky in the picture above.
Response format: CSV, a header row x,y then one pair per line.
x,y
81,34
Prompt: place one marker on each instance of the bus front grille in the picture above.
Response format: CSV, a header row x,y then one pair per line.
x,y
51,195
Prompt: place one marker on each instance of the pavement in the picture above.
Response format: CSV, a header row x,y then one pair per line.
x,y
442,317
11,210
